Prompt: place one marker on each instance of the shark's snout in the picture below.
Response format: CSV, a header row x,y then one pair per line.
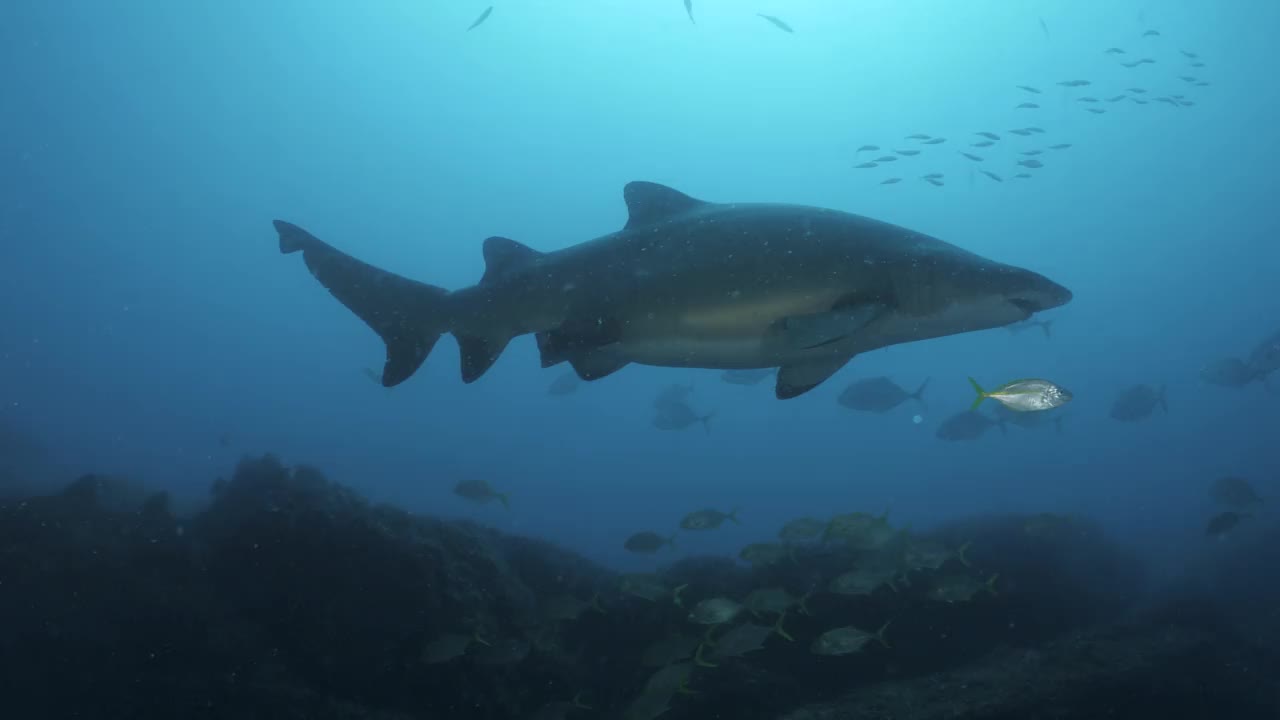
x,y
1039,295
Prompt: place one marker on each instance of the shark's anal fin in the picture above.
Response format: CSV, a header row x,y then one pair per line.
x,y
597,363
804,332
503,256
800,378
650,203
409,316
478,354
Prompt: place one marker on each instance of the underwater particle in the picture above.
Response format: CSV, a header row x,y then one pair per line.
x,y
917,419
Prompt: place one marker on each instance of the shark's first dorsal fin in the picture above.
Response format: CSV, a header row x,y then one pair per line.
x,y
503,255
650,203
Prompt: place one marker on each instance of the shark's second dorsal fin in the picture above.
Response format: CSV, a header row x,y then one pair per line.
x,y
650,203
503,256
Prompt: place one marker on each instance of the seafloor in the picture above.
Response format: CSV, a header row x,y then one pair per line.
x,y
291,597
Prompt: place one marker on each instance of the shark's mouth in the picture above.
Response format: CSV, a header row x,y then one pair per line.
x,y
1030,307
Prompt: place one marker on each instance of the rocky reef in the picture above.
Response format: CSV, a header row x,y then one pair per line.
x,y
289,596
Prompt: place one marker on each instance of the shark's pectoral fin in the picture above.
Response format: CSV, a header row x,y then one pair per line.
x,y
800,378
576,338
597,363
804,332
479,354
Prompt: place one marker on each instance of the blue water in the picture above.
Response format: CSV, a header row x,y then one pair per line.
x,y
148,313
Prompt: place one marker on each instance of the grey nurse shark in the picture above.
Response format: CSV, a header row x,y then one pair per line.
x,y
688,283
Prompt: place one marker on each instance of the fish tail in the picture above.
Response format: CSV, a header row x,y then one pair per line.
x,y
802,604
682,687
777,627
733,515
880,633
578,702
991,584
961,553
672,541
409,316
502,498
1045,325
675,595
476,638
697,658
706,421
918,395
982,394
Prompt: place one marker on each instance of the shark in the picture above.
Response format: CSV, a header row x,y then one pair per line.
x,y
689,283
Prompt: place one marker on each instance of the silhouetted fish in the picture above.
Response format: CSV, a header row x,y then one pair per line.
x,y
776,22
480,20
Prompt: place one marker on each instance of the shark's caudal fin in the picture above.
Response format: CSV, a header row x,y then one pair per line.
x,y
409,316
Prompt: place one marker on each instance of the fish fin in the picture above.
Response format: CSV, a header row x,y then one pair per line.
x,y
1164,405
502,498
503,256
682,687
918,395
408,315
991,584
880,633
675,594
697,658
576,336
579,703
1045,327
777,627
733,515
597,363
478,354
805,332
961,553
706,421
982,394
800,378
476,637
650,203
672,541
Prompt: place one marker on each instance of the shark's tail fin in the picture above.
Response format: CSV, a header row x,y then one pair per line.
x,y
409,316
